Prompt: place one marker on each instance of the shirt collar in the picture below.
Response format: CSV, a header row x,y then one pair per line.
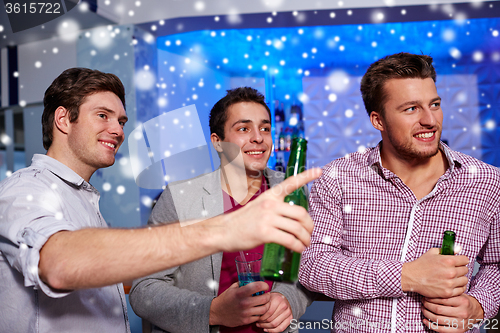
x,y
57,168
454,160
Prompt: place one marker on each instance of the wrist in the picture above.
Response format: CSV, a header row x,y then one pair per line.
x,y
406,282
213,318
477,309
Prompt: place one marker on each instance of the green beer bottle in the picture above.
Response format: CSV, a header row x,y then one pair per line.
x,y
448,247
278,262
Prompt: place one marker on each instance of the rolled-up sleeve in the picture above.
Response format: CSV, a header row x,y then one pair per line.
x,y
30,212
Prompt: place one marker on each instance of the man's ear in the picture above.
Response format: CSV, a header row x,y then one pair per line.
x,y
216,141
61,119
377,120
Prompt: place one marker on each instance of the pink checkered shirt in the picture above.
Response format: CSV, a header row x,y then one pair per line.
x,y
368,223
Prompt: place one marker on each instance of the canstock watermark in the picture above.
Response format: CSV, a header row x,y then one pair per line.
x,y
167,148
25,14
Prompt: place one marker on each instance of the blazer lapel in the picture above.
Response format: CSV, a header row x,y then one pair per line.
x,y
213,205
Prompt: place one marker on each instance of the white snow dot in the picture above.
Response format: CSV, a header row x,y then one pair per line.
x,y
38,64
172,68
33,269
347,208
55,50
269,20
320,123
162,102
147,201
29,197
106,187
22,103
356,311
403,12
449,35
93,52
341,48
374,44
53,186
361,149
5,139
332,97
478,56
23,246
212,284
217,86
429,34
490,124
1,28
225,60
249,38
120,189
199,6
455,53
204,213
195,97
349,113
130,13
8,173
494,33
332,15
473,169
116,57
327,240
59,216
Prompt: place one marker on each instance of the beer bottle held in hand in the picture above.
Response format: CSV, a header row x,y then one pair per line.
x,y
448,247
278,262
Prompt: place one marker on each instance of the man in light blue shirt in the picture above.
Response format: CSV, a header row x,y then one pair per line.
x,y
60,266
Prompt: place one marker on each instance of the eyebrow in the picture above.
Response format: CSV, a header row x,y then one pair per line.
x,y
417,102
103,108
247,121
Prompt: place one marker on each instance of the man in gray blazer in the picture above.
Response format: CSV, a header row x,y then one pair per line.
x,y
185,298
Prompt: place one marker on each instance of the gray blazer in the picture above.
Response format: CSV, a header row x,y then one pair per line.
x,y
178,299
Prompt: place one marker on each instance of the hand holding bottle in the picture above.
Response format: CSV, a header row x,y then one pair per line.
x,y
435,275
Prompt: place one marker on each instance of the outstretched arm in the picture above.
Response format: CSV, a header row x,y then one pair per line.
x,y
91,258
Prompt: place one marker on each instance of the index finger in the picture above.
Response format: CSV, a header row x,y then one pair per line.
x,y
292,183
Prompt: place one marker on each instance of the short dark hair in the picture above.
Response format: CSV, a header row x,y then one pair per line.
x,y
70,89
218,114
397,66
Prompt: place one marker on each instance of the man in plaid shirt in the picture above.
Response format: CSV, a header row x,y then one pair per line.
x,y
380,216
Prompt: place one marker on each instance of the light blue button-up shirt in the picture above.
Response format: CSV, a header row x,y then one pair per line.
x,y
35,203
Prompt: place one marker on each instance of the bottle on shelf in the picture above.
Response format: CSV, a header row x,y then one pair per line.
x,y
282,143
279,114
288,139
278,262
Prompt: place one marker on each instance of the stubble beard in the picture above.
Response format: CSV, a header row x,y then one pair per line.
x,y
407,152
